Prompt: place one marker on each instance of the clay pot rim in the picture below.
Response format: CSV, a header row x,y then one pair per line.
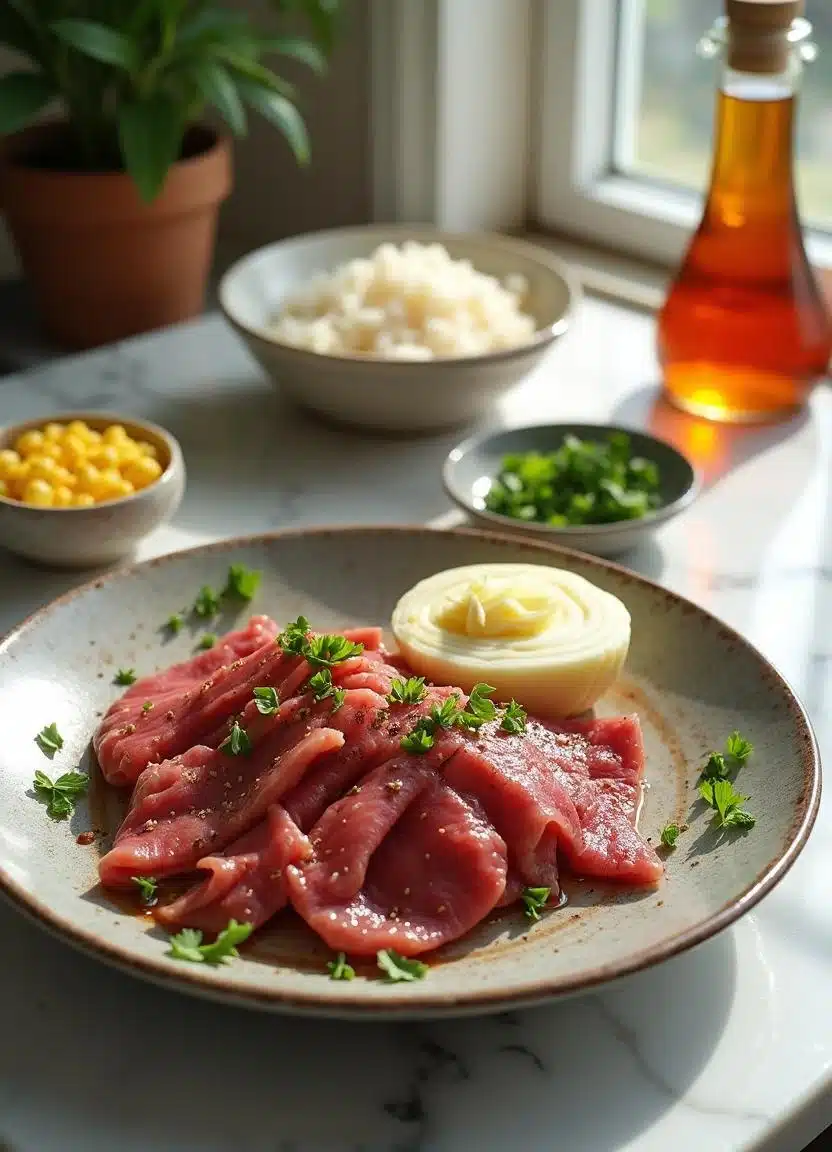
x,y
17,148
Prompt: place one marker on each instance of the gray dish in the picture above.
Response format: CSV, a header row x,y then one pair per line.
x,y
689,677
472,466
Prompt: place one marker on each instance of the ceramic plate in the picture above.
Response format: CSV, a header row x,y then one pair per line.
x,y
691,679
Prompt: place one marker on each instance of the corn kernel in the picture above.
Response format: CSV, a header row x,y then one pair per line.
x,y
74,449
42,468
53,432
147,449
128,450
65,477
63,497
105,456
86,475
122,489
116,434
29,442
105,485
143,472
40,493
9,462
78,428
52,449
82,500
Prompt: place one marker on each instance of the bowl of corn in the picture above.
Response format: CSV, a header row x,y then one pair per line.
x,y
81,489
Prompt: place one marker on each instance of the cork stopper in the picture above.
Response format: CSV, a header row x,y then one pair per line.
x,y
758,33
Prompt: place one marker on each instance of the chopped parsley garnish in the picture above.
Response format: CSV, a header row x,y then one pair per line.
x,y
208,641
187,944
339,969
49,740
727,804
60,794
326,651
533,900
292,640
207,603
479,708
722,766
514,718
266,700
338,698
410,691
320,685
236,742
147,889
148,704
397,967
242,582
125,677
581,482
670,834
175,623
417,742
443,715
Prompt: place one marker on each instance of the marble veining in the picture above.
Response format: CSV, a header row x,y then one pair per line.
x,y
715,1051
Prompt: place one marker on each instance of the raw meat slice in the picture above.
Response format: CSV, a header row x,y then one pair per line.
x,y
247,882
403,863
206,798
526,803
601,764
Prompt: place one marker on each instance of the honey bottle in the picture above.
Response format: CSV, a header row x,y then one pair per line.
x,y
745,333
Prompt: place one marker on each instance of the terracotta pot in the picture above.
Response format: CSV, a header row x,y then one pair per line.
x,y
101,263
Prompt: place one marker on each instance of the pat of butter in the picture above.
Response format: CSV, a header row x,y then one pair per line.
x,y
496,608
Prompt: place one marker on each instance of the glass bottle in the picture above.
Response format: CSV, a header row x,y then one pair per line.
x,y
745,333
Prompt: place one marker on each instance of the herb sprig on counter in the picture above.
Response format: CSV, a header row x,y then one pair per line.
x,y
582,482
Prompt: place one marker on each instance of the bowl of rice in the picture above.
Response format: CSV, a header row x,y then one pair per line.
x,y
398,328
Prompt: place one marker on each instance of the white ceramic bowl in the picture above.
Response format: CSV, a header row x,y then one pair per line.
x,y
104,533
385,394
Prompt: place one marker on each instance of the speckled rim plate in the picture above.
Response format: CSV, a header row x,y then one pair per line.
x,y
691,679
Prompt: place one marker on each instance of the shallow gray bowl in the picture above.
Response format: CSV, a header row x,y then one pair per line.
x,y
471,468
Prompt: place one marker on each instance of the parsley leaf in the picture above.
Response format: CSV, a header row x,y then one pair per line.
x,y
175,623
292,640
411,691
514,718
125,677
207,603
534,899
726,801
326,651
339,969
146,707
720,766
208,641
242,582
60,794
147,889
737,749
670,834
321,686
443,715
715,767
479,708
236,742
266,701
417,742
338,698
49,740
398,968
187,944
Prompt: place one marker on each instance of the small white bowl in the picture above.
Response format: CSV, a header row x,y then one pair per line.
x,y
394,395
104,533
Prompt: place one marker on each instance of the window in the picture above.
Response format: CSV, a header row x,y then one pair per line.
x,y
626,109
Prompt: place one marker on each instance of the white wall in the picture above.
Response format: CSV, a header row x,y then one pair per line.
x,y
272,198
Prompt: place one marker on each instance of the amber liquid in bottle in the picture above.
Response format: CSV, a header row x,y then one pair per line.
x,y
745,332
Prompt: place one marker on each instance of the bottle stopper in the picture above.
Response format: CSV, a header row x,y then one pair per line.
x,y
758,34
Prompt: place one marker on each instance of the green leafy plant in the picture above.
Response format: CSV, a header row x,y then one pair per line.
x,y
131,77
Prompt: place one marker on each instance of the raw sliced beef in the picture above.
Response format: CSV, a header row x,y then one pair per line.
x,y
403,863
601,765
247,883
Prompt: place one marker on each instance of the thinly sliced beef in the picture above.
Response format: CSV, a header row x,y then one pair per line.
x,y
206,798
600,765
247,882
403,863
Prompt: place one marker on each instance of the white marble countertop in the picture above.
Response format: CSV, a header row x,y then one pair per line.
x,y
728,1047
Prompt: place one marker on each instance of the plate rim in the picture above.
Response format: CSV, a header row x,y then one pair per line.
x,y
400,1005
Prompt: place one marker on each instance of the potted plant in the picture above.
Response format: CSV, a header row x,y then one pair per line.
x,y
112,204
